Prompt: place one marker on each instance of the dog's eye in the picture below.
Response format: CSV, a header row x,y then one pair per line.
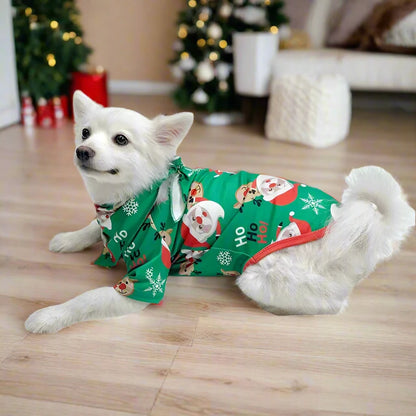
x,y
120,140
85,133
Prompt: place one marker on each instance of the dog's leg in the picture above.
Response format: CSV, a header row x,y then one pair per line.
x,y
294,281
100,303
76,240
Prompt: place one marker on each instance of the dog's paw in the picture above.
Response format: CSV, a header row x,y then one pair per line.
x,y
66,243
48,320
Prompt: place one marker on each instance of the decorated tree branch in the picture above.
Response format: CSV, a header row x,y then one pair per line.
x,y
49,46
203,62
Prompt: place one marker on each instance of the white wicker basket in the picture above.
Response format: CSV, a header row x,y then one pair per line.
x,y
308,109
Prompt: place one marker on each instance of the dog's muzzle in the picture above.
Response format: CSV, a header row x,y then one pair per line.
x,y
84,153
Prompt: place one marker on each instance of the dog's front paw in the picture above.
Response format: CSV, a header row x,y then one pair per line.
x,y
48,320
66,243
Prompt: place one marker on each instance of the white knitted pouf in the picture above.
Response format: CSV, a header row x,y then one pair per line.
x,y
314,110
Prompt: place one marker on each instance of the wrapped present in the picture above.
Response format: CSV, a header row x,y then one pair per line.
x,y
28,111
45,116
58,111
93,83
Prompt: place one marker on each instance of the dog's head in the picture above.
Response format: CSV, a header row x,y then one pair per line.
x,y
120,152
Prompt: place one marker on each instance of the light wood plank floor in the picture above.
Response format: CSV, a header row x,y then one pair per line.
x,y
207,350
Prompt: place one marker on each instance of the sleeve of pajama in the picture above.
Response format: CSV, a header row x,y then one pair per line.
x,y
147,281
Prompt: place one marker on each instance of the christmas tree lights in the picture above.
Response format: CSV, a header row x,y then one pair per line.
x,y
203,62
49,46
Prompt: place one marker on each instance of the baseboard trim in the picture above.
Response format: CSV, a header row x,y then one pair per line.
x,y
370,100
140,87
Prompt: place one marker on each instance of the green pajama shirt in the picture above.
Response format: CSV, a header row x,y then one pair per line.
x,y
213,224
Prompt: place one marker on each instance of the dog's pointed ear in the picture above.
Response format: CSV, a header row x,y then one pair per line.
x,y
82,105
171,130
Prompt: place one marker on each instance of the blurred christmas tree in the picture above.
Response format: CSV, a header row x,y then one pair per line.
x,y
49,46
204,61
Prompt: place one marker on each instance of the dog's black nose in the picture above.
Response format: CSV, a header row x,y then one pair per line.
x,y
85,153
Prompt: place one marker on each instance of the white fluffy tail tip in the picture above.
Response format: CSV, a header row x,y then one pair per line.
x,y
378,186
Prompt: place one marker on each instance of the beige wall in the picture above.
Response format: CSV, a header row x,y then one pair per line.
x,y
132,39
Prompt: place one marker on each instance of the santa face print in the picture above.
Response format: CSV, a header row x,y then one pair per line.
x,y
125,286
292,230
192,255
270,187
201,221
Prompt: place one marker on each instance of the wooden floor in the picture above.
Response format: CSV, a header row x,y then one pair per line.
x,y
207,350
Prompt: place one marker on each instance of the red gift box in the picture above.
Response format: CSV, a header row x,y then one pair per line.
x,y
64,103
45,116
94,84
58,110
28,112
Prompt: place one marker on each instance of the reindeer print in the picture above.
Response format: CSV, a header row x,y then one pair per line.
x,y
246,193
195,193
125,286
164,234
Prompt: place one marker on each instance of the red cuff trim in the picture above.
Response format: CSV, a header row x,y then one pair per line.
x,y
288,242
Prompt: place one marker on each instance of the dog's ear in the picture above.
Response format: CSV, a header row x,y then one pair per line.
x,y
82,105
171,130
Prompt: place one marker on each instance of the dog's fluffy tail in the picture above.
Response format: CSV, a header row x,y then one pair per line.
x,y
373,218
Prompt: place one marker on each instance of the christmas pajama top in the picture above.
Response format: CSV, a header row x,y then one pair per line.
x,y
213,223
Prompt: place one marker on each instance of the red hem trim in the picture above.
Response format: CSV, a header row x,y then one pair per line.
x,y
288,242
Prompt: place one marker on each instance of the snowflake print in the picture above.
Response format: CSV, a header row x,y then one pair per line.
x,y
156,285
130,207
312,203
224,258
149,273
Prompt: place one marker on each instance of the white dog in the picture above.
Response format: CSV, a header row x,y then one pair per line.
x,y
120,153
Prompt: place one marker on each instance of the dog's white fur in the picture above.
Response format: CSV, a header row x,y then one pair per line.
x,y
313,278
